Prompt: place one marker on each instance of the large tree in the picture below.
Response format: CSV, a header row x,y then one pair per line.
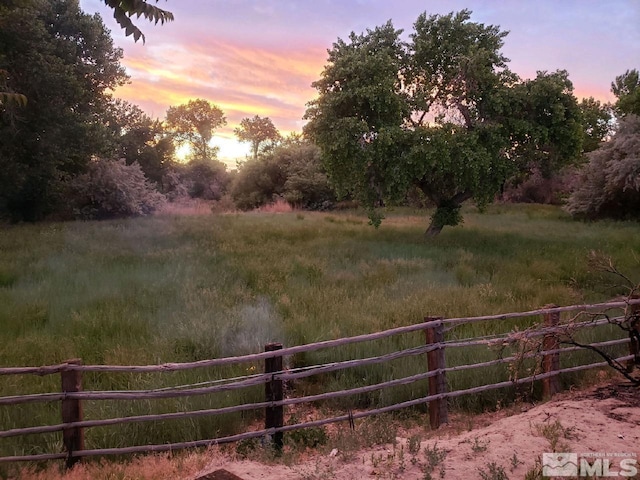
x,y
65,63
441,112
123,10
257,131
626,88
597,120
194,123
138,138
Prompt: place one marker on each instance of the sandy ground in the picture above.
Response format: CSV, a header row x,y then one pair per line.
x,y
602,419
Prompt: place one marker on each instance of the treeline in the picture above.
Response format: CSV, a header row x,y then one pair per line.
x,y
445,133
71,150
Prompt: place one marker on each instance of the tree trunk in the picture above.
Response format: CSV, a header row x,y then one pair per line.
x,y
447,209
433,230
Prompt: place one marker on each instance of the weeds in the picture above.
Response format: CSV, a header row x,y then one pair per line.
x,y
244,448
323,469
554,433
495,472
479,446
515,462
347,442
308,437
378,430
434,457
413,445
534,473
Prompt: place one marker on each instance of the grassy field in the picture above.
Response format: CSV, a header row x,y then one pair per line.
x,y
184,288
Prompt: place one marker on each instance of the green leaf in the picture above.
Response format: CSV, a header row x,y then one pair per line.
x,y
124,9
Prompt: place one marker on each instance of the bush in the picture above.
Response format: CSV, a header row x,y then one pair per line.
x,y
292,171
205,179
173,184
224,205
536,188
258,182
307,185
609,185
113,189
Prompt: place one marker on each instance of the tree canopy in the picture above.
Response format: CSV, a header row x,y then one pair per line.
x,y
597,120
65,63
194,123
9,98
138,138
441,112
257,131
626,88
123,10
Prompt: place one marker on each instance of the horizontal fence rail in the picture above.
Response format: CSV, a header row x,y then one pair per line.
x,y
274,377
310,347
298,400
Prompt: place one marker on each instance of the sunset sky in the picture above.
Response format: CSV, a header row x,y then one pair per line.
x,y
260,57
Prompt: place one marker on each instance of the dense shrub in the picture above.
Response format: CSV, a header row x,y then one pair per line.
x,y
536,188
609,185
205,179
258,183
113,189
307,185
292,171
172,184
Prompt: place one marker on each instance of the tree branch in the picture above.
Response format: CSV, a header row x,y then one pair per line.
x,y
611,361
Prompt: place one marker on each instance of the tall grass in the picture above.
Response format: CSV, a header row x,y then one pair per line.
x,y
184,288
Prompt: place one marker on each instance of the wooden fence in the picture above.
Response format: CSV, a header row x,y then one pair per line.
x,y
72,395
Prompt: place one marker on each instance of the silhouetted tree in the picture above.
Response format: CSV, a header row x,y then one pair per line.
x,y
257,131
194,124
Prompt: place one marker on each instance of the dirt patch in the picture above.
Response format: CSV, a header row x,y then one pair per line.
x,y
602,419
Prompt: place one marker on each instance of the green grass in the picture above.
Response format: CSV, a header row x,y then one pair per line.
x,y
176,289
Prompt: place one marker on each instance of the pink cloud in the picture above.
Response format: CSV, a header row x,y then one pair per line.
x,y
242,80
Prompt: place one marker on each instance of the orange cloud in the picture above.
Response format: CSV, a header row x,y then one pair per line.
x,y
243,81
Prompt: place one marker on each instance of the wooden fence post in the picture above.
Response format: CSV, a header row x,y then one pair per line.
x,y
634,336
72,438
550,361
273,392
438,383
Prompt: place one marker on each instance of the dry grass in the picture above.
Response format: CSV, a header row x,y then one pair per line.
x,y
148,467
186,207
279,206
